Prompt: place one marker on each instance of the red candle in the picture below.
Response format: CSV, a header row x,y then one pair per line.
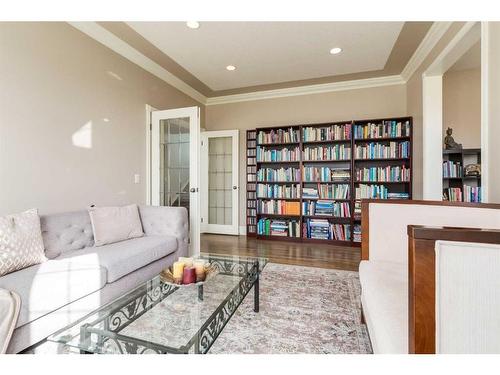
x,y
189,275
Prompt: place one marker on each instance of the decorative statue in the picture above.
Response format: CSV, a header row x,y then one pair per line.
x,y
449,142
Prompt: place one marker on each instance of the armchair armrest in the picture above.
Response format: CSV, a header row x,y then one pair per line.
x,y
422,278
166,220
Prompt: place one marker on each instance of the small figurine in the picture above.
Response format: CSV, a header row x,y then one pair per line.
x,y
449,142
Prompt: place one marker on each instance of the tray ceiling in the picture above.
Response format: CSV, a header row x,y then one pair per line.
x,y
272,52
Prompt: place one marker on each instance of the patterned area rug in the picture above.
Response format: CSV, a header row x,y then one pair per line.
x,y
302,310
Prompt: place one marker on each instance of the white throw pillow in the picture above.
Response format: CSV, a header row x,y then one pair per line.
x,y
21,243
113,224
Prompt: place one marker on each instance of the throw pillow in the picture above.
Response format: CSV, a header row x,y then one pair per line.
x,y
113,224
21,243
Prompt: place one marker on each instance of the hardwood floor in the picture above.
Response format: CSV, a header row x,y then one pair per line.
x,y
303,254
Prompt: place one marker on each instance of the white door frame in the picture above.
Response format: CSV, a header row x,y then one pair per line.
x,y
193,113
215,228
149,127
432,108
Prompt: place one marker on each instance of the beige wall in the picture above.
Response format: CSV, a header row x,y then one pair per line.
x,y
54,82
389,101
414,107
462,106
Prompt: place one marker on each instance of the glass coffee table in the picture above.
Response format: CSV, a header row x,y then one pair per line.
x,y
158,317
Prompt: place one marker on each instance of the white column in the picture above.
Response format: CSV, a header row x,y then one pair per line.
x,y
490,111
432,87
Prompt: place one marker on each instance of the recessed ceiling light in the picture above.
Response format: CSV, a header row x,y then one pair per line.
x,y
335,50
231,67
193,24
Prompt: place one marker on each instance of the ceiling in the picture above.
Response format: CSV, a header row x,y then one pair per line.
x,y
269,56
271,52
470,60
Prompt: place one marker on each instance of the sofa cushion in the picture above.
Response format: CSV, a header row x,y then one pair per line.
x,y
114,224
122,258
384,296
66,232
51,285
21,243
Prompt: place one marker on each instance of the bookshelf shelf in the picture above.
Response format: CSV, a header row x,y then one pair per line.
x,y
279,144
277,215
382,182
382,139
279,162
456,185
326,161
326,142
382,159
320,149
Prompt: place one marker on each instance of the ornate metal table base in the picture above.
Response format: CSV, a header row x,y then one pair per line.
x,y
105,331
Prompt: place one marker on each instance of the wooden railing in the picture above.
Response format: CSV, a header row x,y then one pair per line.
x,y
422,276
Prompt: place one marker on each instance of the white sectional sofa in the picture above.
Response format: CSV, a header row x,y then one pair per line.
x,y
383,271
78,277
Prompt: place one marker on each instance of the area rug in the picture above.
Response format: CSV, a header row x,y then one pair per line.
x,y
302,310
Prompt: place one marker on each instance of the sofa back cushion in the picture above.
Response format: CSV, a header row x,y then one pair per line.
x,y
114,224
388,222
66,232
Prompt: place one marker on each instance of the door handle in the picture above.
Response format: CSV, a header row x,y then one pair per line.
x,y
235,187
192,190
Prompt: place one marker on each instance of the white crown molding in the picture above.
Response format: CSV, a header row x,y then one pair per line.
x,y
307,90
433,36
111,41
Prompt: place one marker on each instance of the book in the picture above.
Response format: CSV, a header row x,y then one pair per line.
x,y
322,229
329,133
335,152
284,154
388,150
383,174
384,129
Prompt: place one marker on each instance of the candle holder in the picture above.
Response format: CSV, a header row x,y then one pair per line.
x,y
167,276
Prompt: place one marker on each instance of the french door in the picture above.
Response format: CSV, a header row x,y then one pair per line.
x,y
219,165
175,164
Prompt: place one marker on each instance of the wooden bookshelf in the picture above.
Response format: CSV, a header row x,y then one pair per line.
x,y
251,206
390,164
459,181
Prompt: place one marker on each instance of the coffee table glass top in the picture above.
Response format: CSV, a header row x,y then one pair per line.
x,y
157,317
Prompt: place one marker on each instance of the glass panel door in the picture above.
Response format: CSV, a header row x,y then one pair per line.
x,y
220,181
220,184
175,164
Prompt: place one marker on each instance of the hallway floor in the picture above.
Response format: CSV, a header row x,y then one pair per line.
x,y
284,252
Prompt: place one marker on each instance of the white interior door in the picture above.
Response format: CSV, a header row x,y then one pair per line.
x,y
220,181
175,164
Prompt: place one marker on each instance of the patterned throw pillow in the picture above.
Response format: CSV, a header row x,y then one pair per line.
x,y
21,243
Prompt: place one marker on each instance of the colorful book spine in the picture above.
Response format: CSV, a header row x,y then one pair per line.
x,y
383,174
335,152
278,207
371,192
329,133
278,175
284,154
278,136
452,169
384,129
392,150
278,191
